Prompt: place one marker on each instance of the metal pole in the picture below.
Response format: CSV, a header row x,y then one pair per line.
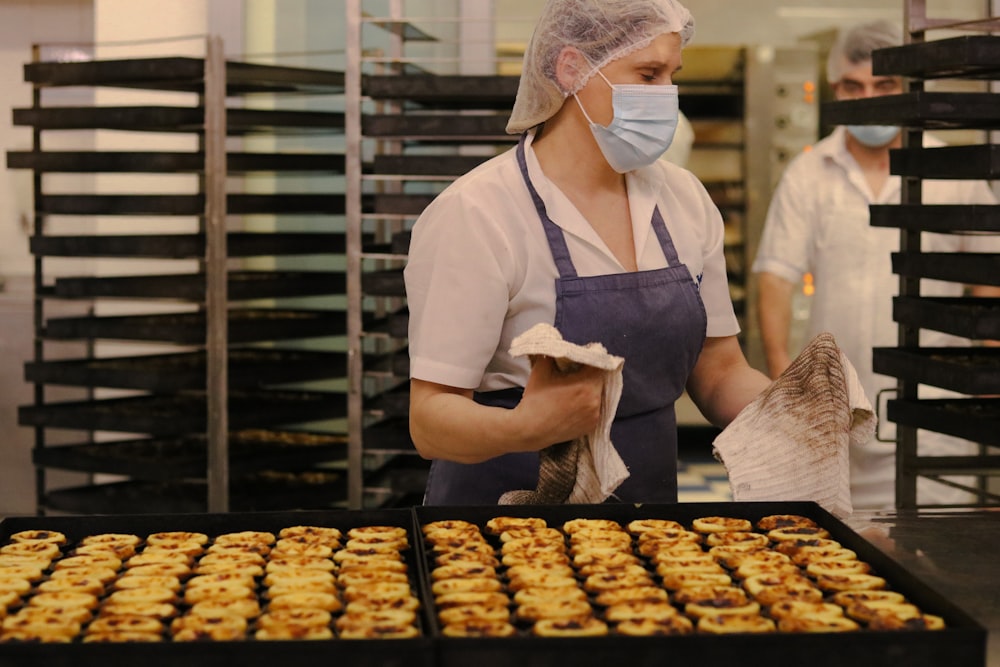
x,y
352,156
216,296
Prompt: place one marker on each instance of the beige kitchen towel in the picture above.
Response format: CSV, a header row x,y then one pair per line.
x,y
793,441
589,469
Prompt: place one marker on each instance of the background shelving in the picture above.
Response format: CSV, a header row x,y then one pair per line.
x,y
212,379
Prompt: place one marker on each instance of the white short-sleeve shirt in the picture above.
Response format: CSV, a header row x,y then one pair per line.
x,y
818,222
480,271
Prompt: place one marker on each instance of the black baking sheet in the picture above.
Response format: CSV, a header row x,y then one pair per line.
x,y
245,653
962,643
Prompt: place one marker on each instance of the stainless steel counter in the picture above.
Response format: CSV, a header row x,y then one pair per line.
x,y
955,553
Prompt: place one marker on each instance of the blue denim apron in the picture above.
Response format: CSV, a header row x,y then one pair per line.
x,y
656,321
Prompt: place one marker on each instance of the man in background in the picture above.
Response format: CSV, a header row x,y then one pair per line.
x,y
818,223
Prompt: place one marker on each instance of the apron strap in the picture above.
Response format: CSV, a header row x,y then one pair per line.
x,y
557,242
666,242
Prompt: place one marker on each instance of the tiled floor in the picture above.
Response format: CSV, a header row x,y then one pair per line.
x,y
702,482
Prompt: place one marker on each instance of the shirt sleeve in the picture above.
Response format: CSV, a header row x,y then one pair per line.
x,y
789,226
456,290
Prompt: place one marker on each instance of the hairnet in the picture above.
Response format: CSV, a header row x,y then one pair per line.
x,y
855,45
602,30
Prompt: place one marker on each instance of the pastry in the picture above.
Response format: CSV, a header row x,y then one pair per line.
x,y
302,616
640,526
817,624
570,627
293,632
466,585
673,625
735,623
553,609
49,536
850,582
537,595
479,628
318,600
125,623
474,612
718,524
121,636
638,610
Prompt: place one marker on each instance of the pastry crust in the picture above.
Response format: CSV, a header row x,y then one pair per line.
x,y
121,636
570,627
718,524
735,623
553,609
614,580
293,632
892,621
678,580
479,628
674,625
125,623
160,610
817,624
639,526
798,533
308,599
804,609
39,535
484,598
574,525
474,612
850,582
528,596
776,521
302,616
638,610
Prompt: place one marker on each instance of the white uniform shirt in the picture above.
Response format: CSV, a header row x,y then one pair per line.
x,y
480,271
818,222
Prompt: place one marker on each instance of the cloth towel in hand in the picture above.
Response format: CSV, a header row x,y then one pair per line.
x,y
588,469
793,441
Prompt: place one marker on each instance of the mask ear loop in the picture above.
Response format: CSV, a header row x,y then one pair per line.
x,y
580,104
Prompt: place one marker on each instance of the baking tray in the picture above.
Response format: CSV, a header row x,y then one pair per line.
x,y
245,325
169,162
448,166
388,282
917,109
962,643
977,318
947,162
185,413
971,268
183,74
265,490
964,57
944,218
240,285
967,370
180,246
439,128
449,92
247,368
406,204
186,456
975,419
249,653
239,121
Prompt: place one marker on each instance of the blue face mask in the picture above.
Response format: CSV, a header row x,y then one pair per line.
x,y
873,136
645,118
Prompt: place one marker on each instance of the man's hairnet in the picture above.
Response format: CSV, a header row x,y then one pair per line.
x,y
855,45
603,31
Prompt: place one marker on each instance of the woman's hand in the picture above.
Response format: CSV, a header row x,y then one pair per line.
x,y
558,405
